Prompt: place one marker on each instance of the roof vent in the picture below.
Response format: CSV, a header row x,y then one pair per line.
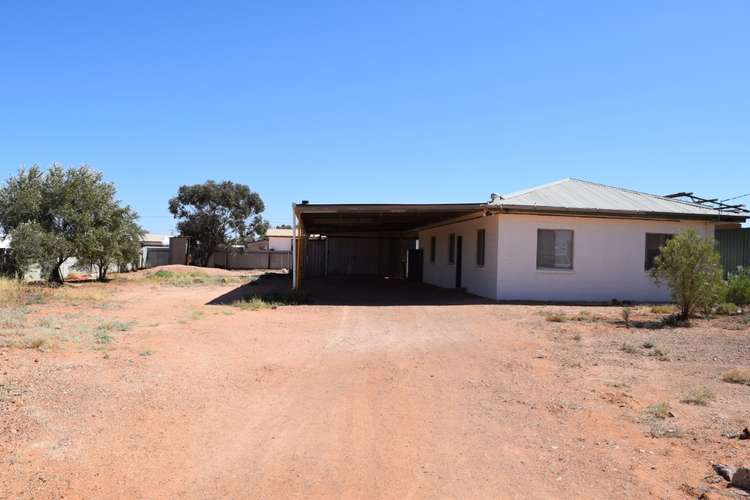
x,y
305,202
495,197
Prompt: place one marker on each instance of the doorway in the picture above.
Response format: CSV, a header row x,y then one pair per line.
x,y
459,252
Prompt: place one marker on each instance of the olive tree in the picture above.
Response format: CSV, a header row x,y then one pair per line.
x,y
214,214
52,214
690,265
113,241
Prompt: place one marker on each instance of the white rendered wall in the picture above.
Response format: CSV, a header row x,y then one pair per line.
x,y
477,280
279,244
608,259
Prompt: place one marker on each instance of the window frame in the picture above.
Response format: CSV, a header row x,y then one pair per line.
x,y
539,250
481,245
668,236
452,248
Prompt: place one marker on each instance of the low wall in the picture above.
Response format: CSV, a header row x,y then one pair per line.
x,y
251,260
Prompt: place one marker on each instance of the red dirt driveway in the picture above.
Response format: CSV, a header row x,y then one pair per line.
x,y
452,399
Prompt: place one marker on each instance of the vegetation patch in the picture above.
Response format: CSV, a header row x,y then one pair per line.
x,y
700,396
660,354
737,376
662,309
272,301
555,317
190,278
659,411
628,348
728,309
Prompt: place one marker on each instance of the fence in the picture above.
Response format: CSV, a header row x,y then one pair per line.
x,y
257,259
734,247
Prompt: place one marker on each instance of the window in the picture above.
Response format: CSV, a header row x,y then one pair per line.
x,y
451,248
480,247
433,246
554,249
654,242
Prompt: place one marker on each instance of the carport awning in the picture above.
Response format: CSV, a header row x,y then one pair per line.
x,y
379,218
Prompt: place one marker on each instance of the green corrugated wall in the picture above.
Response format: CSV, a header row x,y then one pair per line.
x,y
734,247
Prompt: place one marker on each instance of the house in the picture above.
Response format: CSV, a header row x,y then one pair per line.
x,y
154,250
275,240
570,240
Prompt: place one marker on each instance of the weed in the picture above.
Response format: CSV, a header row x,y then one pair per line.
x,y
700,396
659,410
119,326
662,428
647,345
577,337
584,316
146,353
628,348
737,376
626,316
191,278
662,309
660,354
196,315
272,301
555,317
102,337
11,291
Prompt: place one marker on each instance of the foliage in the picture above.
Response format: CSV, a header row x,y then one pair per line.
x,y
626,316
192,278
115,240
283,226
56,214
215,214
727,309
738,289
690,266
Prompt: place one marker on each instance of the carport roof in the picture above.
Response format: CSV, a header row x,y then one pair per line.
x,y
378,218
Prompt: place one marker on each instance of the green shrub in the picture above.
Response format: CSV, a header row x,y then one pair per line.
x,y
738,289
690,265
555,317
727,309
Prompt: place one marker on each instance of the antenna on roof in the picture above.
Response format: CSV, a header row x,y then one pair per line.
x,y
714,203
495,197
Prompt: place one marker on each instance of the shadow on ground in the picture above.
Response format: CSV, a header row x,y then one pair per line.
x,y
352,290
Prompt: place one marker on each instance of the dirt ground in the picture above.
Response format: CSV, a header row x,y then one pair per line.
x,y
374,390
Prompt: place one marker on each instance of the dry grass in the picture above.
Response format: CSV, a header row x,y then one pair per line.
x,y
11,292
662,309
737,376
659,410
272,301
190,278
700,396
555,317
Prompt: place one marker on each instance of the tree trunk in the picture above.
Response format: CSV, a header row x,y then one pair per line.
x,y
56,274
103,268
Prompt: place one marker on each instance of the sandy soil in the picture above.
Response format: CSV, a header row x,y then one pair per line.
x,y
427,394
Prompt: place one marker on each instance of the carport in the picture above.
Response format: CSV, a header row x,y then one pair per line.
x,y
347,239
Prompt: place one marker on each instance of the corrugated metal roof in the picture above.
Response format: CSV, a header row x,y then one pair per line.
x,y
576,194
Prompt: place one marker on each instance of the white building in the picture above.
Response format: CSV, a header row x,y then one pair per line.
x,y
275,240
570,240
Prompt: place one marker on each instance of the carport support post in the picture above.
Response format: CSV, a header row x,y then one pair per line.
x,y
294,246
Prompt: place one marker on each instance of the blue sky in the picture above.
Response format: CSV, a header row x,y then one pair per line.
x,y
379,101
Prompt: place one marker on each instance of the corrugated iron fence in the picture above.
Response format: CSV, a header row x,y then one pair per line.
x,y
734,247
251,260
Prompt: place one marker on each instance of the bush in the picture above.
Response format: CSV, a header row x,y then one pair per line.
x,y
727,309
691,267
737,376
738,290
701,396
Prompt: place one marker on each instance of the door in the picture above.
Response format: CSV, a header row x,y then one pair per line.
x,y
414,265
459,244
